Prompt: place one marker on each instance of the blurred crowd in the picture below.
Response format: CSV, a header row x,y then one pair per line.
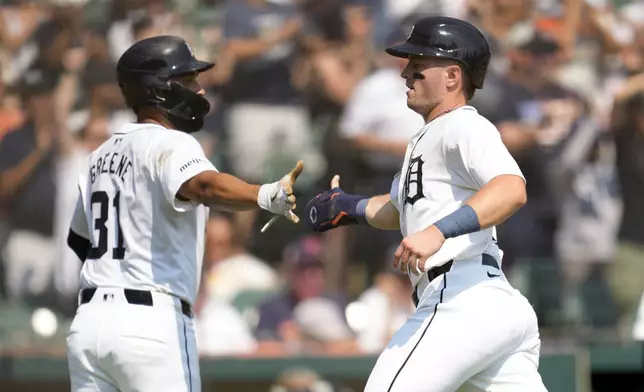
x,y
309,79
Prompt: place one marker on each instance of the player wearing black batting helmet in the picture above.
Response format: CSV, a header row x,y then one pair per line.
x,y
457,182
448,38
139,227
155,72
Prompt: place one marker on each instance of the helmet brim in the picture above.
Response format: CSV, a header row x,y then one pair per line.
x,y
407,50
193,66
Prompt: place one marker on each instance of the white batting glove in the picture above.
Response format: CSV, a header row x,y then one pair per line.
x,y
278,197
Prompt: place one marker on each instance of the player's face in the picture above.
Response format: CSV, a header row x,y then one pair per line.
x,y
190,82
424,78
428,80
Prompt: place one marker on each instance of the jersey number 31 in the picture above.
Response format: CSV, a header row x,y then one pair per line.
x,y
102,200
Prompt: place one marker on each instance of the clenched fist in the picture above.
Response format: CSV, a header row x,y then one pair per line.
x,y
415,249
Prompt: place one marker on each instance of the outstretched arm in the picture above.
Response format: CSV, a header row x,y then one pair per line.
x,y
188,179
382,214
226,192
335,208
221,191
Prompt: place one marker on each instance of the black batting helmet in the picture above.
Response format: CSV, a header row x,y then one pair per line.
x,y
145,73
450,38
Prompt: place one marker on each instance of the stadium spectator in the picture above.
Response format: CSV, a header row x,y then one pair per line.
x,y
267,125
11,114
534,114
327,74
278,329
221,330
229,269
378,125
73,152
28,189
98,82
586,236
383,307
628,131
18,21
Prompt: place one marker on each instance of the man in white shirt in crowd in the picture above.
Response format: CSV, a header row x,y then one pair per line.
x,y
378,124
229,268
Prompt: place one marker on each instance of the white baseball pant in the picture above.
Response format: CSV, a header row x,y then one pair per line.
x,y
116,346
471,332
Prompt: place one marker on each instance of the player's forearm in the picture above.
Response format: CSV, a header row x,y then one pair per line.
x,y
498,200
221,191
382,214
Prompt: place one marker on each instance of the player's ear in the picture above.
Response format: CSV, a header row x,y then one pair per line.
x,y
453,76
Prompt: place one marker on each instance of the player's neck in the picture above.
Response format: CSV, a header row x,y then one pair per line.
x,y
146,116
447,105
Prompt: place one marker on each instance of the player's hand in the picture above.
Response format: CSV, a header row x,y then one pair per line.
x,y
414,250
330,209
278,197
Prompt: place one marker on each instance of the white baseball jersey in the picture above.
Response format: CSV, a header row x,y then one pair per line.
x,y
446,163
142,237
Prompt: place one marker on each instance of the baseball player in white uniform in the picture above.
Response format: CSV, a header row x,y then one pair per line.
x,y
139,227
471,330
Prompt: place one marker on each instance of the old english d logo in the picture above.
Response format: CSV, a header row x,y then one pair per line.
x,y
414,181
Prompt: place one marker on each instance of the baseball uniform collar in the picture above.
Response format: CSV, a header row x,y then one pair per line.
x,y
131,127
458,108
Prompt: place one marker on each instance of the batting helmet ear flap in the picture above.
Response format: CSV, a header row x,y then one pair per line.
x,y
142,88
